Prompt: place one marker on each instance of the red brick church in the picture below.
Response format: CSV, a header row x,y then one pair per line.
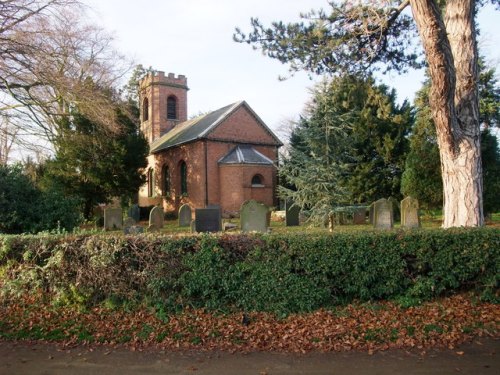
x,y
223,158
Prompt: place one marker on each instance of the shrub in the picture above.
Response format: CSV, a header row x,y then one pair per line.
x,y
281,273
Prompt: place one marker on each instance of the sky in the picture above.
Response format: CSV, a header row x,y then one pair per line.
x,y
194,38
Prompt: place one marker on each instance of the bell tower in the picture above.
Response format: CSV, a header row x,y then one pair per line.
x,y
163,103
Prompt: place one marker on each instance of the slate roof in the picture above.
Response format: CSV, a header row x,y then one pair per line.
x,y
245,155
200,127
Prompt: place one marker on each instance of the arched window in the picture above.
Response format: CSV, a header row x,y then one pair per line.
x,y
183,173
151,182
171,107
165,176
145,109
257,180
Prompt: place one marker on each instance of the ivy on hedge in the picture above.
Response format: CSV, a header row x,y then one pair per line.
x,y
281,273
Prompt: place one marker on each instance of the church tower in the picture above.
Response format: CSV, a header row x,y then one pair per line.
x,y
163,102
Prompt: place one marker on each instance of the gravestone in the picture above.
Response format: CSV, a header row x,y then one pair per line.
x,y
382,214
156,218
113,218
409,213
208,219
359,216
291,214
254,216
127,224
134,212
185,216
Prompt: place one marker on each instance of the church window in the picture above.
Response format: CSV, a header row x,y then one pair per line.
x,y
257,180
171,107
183,172
165,174
145,109
151,182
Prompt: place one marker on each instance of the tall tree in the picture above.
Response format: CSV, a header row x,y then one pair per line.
x,y
360,35
52,60
97,165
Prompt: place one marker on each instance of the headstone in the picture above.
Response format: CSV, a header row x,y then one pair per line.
x,y
409,213
371,212
113,218
254,216
156,218
208,219
291,214
359,216
382,215
134,212
185,216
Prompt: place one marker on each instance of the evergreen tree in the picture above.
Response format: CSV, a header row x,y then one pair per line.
x,y
348,147
97,165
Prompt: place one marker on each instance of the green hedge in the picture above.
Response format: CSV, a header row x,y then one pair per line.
x,y
282,273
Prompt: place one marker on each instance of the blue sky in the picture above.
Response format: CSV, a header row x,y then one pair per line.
x,y
194,38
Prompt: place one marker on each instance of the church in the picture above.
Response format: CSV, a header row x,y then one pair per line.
x,y
221,158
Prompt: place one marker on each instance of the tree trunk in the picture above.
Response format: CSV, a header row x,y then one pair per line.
x,y
451,54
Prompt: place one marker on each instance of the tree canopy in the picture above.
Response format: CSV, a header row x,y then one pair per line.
x,y
359,36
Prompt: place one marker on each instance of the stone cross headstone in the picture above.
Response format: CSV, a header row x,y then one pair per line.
x,y
156,218
208,219
254,216
113,218
382,214
185,216
134,212
359,216
291,214
409,213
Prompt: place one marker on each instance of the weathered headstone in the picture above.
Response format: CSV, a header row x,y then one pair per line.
x,y
409,213
208,219
113,218
382,214
359,216
291,214
185,216
254,216
134,212
156,218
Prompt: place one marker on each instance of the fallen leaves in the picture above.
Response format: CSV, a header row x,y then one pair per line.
x,y
370,327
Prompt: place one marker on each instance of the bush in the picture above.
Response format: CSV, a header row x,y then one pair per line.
x,y
281,273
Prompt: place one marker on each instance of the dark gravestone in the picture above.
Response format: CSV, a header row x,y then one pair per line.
x,y
409,213
208,219
185,216
254,216
134,212
292,214
383,214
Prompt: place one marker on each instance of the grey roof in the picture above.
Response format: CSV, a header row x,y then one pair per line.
x,y
200,127
245,155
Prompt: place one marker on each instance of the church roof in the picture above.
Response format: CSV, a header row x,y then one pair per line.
x,y
245,155
200,127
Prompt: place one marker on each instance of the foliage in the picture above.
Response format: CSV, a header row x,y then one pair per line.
x,y
26,209
96,165
422,175
351,143
280,273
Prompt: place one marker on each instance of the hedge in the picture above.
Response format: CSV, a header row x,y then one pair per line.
x,y
281,273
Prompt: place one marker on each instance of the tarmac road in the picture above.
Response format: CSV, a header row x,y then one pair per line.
x,y
19,358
